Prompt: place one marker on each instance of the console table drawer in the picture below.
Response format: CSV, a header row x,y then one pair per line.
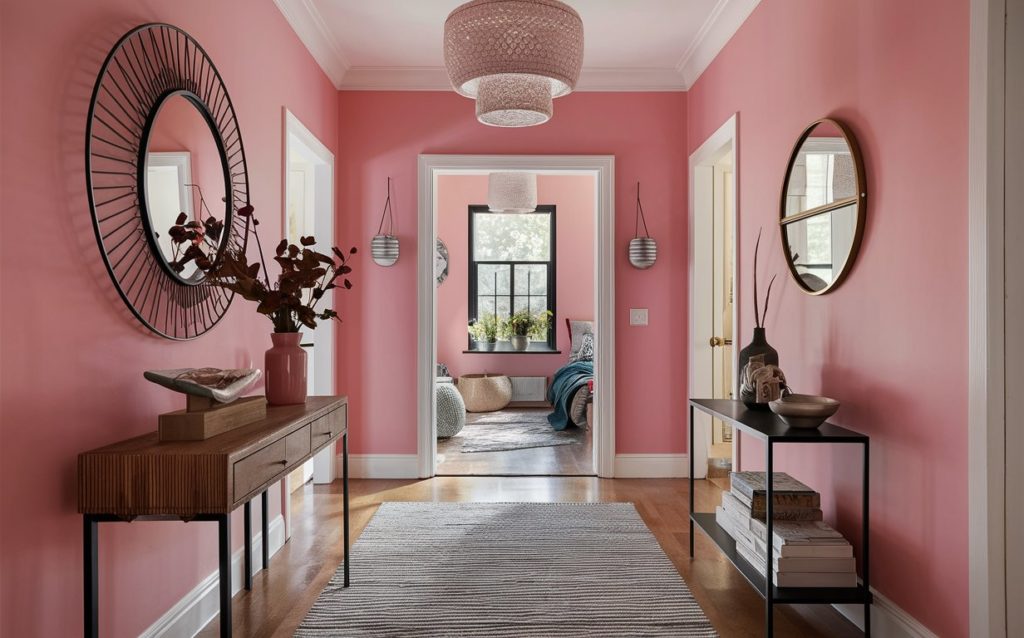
x,y
270,462
329,426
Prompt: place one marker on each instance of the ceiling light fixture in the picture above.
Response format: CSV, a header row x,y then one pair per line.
x,y
513,57
512,192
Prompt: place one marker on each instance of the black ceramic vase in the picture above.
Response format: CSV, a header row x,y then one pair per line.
x,y
759,345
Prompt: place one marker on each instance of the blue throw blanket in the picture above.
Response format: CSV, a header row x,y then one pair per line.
x,y
567,381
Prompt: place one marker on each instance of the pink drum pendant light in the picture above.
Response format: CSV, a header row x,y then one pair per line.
x,y
513,57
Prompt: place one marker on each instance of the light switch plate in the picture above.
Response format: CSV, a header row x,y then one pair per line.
x,y
638,316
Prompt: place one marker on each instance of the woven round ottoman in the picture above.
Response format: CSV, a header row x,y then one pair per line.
x,y
485,392
451,411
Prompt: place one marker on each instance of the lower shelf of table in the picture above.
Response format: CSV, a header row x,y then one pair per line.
x,y
783,595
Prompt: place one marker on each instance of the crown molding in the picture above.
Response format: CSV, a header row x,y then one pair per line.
x,y
436,79
314,33
725,20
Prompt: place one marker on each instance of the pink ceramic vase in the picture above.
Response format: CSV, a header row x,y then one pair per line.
x,y
285,365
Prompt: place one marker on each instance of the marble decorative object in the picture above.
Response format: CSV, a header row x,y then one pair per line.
x,y
222,386
760,383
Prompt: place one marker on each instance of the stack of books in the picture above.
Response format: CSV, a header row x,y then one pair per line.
x,y
806,552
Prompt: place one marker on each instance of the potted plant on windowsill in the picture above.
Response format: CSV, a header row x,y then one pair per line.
x,y
291,302
523,325
485,332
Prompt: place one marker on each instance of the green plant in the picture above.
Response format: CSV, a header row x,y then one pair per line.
x,y
485,329
524,324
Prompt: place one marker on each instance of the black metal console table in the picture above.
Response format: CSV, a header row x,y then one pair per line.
x,y
773,430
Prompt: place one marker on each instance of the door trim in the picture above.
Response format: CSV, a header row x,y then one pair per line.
x,y
603,168
706,155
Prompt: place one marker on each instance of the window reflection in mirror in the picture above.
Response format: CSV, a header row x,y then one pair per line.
x,y
819,245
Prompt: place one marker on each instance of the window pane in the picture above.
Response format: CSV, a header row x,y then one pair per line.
x,y
508,237
493,305
489,275
537,304
531,279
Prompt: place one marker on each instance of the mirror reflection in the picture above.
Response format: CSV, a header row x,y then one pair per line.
x,y
822,216
819,246
823,171
184,186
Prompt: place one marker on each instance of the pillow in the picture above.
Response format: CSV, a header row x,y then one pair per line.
x,y
577,329
586,350
578,409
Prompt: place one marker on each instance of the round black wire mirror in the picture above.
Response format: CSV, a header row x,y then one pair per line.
x,y
165,170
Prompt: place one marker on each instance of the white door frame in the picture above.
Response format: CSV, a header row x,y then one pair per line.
x,y
706,155
324,377
603,168
986,419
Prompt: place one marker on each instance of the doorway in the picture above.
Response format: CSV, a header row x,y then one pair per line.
x,y
308,202
713,354
601,168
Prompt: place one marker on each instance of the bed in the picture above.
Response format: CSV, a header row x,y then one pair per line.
x,y
572,387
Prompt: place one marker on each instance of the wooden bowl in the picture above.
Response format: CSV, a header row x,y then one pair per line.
x,y
804,410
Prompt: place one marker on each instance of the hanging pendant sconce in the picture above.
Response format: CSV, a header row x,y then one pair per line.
x,y
643,251
384,248
512,192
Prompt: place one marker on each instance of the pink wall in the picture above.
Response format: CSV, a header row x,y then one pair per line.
x,y
383,132
890,342
574,198
72,356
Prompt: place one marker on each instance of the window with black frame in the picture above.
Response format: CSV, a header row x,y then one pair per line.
x,y
512,268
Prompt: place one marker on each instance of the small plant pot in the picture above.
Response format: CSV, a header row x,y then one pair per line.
x,y
643,252
519,342
485,346
384,250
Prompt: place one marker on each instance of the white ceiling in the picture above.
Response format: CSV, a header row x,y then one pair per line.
x,y
631,45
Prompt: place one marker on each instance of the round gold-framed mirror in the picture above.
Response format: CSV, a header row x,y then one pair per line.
x,y
821,216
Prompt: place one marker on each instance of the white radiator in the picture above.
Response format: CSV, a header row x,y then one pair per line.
x,y
529,389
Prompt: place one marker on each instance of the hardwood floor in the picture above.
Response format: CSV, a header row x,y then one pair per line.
x,y
559,460
281,595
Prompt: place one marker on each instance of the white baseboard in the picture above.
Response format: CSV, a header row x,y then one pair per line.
x,y
887,620
651,466
190,614
381,466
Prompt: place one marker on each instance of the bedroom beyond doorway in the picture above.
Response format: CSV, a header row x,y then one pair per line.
x,y
515,330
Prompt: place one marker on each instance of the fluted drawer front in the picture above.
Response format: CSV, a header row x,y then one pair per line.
x,y
270,463
330,426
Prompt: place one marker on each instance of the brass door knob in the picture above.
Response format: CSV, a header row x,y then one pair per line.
x,y
717,342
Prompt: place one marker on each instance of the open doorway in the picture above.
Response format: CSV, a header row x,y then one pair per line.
x,y
517,286
308,195
506,410
713,354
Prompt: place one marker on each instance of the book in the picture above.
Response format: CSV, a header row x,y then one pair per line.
x,y
814,564
819,579
808,533
749,487
779,512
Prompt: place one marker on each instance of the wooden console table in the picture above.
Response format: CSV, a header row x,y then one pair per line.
x,y
144,479
773,431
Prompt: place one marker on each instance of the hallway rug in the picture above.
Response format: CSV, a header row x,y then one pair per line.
x,y
513,430
507,569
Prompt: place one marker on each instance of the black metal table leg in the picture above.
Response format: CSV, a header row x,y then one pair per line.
x,y
344,479
865,550
91,590
769,586
224,553
264,500
248,546
691,480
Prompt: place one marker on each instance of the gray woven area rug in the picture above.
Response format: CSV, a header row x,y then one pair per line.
x,y
513,430
502,570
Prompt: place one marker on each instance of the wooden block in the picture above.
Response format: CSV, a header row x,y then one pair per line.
x,y
200,424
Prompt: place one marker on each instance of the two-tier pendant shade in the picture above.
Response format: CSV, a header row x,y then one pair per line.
x,y
514,57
